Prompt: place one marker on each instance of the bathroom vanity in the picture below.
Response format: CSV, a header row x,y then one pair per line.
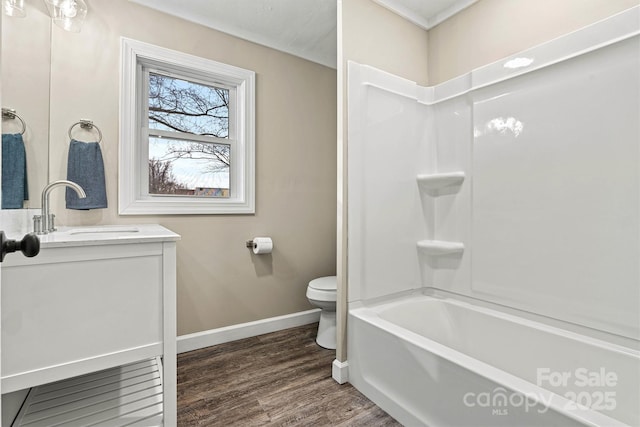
x,y
94,299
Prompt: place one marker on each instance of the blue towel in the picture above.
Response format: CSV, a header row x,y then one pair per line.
x,y
86,168
14,171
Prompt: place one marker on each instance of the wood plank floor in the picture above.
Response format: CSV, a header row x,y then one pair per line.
x,y
277,379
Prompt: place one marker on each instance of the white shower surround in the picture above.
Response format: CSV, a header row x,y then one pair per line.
x,y
515,186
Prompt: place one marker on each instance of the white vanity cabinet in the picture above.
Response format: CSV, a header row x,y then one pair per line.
x,y
93,299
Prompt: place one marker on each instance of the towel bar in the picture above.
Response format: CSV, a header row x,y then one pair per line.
x,y
10,114
86,124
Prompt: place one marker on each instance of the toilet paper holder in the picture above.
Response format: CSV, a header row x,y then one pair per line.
x,y
250,244
260,245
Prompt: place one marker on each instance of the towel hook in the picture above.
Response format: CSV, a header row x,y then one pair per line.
x,y
86,124
10,114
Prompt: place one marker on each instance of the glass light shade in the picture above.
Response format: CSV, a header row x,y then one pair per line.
x,y
14,8
68,14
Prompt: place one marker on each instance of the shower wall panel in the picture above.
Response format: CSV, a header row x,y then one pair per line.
x,y
517,184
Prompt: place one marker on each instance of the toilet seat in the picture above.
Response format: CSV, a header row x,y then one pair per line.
x,y
323,289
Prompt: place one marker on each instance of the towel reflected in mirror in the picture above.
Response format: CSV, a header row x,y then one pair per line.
x,y
14,171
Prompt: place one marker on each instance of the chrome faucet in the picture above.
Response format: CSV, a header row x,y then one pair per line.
x,y
44,223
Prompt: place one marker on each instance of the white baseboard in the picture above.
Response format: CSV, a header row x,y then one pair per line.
x,y
340,371
245,330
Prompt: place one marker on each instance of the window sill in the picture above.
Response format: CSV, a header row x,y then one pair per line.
x,y
166,206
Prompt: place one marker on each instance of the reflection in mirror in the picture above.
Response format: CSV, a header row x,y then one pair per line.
x,y
26,64
15,188
13,8
67,14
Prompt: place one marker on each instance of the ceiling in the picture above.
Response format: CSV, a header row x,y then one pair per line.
x,y
304,28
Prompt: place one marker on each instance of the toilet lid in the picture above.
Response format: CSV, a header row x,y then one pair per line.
x,y
327,283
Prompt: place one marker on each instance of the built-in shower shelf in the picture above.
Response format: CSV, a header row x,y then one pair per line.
x,y
435,183
440,247
127,395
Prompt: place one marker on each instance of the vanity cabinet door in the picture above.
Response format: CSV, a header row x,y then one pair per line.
x,y
79,309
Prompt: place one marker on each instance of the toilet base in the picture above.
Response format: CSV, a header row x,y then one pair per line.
x,y
327,330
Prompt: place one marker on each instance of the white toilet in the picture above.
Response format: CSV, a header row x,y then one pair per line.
x,y
322,292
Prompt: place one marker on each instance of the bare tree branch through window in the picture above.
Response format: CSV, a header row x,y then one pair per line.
x,y
187,108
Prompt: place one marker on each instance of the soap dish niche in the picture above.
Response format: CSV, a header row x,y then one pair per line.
x,y
439,248
441,183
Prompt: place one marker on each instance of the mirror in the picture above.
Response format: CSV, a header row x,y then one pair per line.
x,y
26,65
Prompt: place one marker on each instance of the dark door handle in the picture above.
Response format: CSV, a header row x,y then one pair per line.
x,y
29,245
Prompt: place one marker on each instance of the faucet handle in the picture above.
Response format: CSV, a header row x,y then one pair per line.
x,y
38,224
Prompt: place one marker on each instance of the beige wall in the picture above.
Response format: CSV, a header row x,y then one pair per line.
x,y
373,35
368,34
492,29
220,282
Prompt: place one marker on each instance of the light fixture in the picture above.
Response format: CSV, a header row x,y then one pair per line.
x,y
14,8
67,14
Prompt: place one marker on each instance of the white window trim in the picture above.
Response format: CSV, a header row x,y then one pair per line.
x,y
131,199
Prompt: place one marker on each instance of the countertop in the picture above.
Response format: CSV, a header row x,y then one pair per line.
x,y
107,235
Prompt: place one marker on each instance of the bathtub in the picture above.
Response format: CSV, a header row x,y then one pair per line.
x,y
438,361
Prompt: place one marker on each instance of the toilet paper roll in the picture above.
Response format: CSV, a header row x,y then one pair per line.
x,y
262,245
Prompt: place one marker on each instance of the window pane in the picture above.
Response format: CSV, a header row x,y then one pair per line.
x,y
188,168
180,105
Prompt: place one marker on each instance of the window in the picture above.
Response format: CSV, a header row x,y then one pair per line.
x,y
186,134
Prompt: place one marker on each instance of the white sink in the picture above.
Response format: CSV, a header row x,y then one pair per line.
x,y
103,229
